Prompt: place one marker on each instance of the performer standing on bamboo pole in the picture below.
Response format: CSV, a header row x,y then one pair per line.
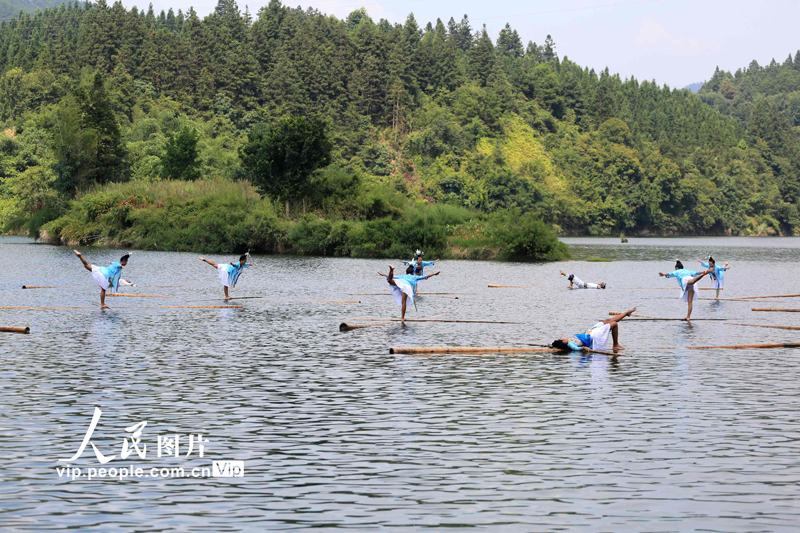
x,y
573,279
404,287
717,273
105,277
687,279
229,274
419,264
597,337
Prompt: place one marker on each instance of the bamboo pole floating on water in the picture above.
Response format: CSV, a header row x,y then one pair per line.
x,y
418,294
647,317
735,346
269,300
344,326
761,326
469,349
778,309
512,287
143,307
438,320
11,329
47,287
126,295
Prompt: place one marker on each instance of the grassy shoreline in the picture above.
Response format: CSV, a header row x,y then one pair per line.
x,y
220,216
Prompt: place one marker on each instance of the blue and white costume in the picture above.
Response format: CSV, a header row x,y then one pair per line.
x,y
594,339
407,283
718,275
419,271
683,276
229,274
107,277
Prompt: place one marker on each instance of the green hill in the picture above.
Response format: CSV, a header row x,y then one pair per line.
x,y
439,123
12,8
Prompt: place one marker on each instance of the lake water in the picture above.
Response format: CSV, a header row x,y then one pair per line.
x,y
336,433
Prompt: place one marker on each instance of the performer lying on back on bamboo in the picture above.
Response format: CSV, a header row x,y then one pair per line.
x,y
580,284
419,264
105,277
404,287
229,274
717,272
597,337
687,279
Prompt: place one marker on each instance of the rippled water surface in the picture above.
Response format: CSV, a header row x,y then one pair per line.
x,y
334,432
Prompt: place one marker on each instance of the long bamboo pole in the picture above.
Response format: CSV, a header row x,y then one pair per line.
x,y
778,309
11,329
647,317
512,287
271,300
344,326
794,328
418,294
758,297
143,307
126,295
47,287
469,349
438,320
735,346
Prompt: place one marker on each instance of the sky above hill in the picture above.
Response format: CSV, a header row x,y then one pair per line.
x,y
676,42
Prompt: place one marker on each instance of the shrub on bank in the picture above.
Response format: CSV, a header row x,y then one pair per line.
x,y
231,217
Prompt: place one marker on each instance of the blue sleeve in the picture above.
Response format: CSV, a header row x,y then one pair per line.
x,y
428,263
573,346
705,265
671,275
695,273
246,265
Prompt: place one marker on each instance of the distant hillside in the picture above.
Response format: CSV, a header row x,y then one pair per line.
x,y
695,87
11,8
776,86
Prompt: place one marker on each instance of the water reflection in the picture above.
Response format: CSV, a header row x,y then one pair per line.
x,y
335,432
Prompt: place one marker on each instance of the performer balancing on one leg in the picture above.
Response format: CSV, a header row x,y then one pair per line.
x,y
573,280
229,274
597,337
717,273
404,287
687,279
418,264
106,277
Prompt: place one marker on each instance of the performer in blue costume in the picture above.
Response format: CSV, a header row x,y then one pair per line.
x,y
717,274
106,277
597,337
404,287
687,280
229,274
419,264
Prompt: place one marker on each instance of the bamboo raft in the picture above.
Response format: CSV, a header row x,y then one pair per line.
x,y
480,350
10,329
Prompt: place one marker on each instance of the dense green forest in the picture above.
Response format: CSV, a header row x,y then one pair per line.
x,y
12,8
166,131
